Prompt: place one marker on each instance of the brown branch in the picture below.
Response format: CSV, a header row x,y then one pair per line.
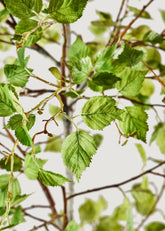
x,y
33,217
36,206
156,76
139,14
35,93
118,184
158,174
65,207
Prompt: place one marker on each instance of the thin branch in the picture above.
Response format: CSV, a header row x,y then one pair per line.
x,y
33,217
35,93
118,184
36,206
139,14
158,174
65,207
156,76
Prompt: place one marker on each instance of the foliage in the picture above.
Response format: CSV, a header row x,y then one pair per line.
x,y
114,77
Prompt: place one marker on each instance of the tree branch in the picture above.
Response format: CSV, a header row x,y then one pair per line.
x,y
118,184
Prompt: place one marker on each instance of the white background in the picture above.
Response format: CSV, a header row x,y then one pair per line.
x,y
113,163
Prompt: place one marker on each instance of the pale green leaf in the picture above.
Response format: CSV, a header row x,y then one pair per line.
x,y
7,165
16,75
147,88
73,94
18,199
120,212
160,139
25,25
155,132
14,122
31,167
23,136
131,82
6,104
163,14
134,123
37,149
50,178
18,216
107,223
55,72
142,152
105,80
77,151
5,37
99,111
54,144
72,226
54,110
129,218
155,226
66,11
144,199
129,56
90,211
34,37
153,37
136,11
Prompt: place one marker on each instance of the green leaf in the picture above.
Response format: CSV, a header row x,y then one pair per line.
x,y
80,69
50,178
160,139
7,166
77,151
147,88
14,122
66,11
6,104
120,212
78,50
54,144
129,56
98,139
15,188
136,11
99,111
155,226
105,79
55,72
16,75
18,199
142,153
153,37
25,25
54,110
129,218
144,199
23,136
31,121
20,9
73,94
37,149
18,216
134,123
90,211
104,57
24,8
107,223
34,37
155,132
163,14
31,167
72,226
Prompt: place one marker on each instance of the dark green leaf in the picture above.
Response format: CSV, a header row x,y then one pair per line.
x,y
31,121
16,75
77,151
105,79
99,111
6,104
108,223
129,56
20,9
98,139
3,14
54,144
31,167
66,11
134,123
155,226
23,136
25,25
73,94
34,37
14,122
55,71
50,178
153,37
18,216
72,226
7,166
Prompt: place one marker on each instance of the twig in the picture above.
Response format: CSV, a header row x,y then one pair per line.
x,y
139,14
156,76
34,217
35,93
65,207
36,206
118,184
158,174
